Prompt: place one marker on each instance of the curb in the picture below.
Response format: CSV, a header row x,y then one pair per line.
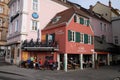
x,y
11,73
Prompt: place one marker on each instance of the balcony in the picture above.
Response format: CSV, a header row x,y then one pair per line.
x,y
39,46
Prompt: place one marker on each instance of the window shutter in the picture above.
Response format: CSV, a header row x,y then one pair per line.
x,y
88,22
81,21
85,38
69,35
77,37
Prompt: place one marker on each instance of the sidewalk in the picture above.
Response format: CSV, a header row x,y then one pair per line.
x,y
103,73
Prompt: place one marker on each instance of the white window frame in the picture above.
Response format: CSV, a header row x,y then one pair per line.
x,y
89,39
85,21
73,36
81,37
34,25
35,5
16,25
17,5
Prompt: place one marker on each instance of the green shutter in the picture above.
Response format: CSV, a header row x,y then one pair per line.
x,y
85,38
81,21
88,22
77,37
69,35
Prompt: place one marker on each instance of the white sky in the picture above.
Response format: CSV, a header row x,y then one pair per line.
x,y
87,3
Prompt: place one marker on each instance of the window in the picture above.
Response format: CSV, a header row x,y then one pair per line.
x,y
105,27
35,5
82,38
101,26
1,9
18,52
71,35
75,18
89,39
56,19
116,40
0,22
17,5
34,25
16,26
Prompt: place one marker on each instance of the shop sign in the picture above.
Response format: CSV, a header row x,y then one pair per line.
x,y
81,49
59,32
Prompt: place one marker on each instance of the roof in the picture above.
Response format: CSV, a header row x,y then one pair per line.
x,y
64,17
93,14
112,9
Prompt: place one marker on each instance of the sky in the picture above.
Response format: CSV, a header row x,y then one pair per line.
x,y
87,3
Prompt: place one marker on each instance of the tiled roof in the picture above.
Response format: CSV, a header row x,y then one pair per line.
x,y
114,10
64,17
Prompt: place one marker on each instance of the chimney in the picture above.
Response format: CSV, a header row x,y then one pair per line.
x,y
90,7
110,3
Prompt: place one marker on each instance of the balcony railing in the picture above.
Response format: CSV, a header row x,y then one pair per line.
x,y
39,45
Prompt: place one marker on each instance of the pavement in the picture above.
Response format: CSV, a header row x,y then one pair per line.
x,y
103,73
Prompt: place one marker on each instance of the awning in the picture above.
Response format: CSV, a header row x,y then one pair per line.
x,y
40,49
102,45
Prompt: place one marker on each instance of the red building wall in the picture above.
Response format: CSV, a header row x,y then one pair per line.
x,y
65,46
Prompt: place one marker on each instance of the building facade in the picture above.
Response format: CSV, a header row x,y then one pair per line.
x,y
116,37
107,11
27,18
4,10
72,32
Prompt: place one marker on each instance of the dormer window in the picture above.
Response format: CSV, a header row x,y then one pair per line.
x,y
81,20
56,19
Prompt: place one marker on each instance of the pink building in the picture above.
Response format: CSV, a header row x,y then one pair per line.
x,y
27,18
